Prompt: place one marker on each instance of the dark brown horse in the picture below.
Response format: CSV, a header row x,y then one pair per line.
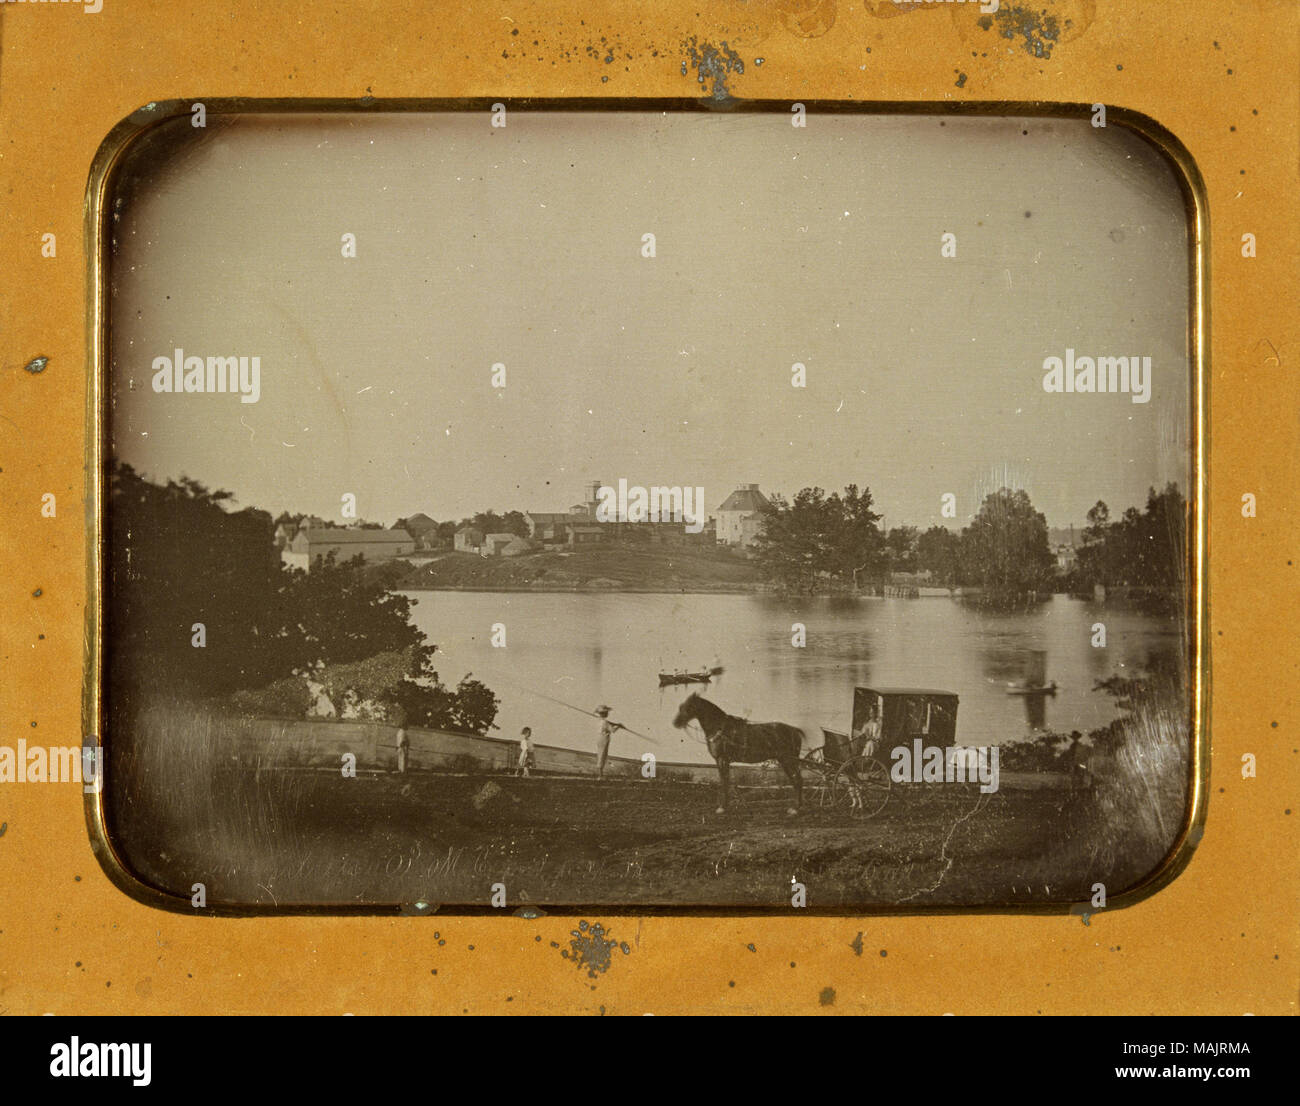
x,y
733,740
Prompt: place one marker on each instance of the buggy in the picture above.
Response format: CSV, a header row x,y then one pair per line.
x,y
849,771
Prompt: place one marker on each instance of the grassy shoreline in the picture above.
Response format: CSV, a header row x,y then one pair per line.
x,y
190,800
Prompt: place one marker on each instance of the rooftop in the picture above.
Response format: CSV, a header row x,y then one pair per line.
x,y
747,497
339,536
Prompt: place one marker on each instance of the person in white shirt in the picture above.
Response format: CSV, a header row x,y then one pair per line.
x,y
525,752
607,730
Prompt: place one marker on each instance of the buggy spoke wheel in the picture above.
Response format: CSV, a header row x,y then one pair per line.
x,y
818,784
861,786
824,792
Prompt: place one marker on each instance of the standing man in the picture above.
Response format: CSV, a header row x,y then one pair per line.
x,y
607,729
403,749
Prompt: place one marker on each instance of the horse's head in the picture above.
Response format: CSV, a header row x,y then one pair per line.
x,y
688,711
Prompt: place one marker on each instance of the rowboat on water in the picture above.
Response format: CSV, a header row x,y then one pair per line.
x,y
1023,689
1034,681
666,678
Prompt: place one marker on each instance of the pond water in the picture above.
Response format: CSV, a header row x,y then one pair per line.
x,y
588,649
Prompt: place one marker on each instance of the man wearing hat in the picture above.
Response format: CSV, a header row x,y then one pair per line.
x,y
607,729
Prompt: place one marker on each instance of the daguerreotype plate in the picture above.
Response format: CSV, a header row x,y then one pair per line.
x,y
648,506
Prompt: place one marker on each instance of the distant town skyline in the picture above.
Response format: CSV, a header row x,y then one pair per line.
x,y
711,514
774,247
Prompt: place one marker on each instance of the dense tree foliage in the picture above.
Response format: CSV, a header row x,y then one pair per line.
x,y
1005,549
815,542
816,537
199,605
938,552
819,542
1145,549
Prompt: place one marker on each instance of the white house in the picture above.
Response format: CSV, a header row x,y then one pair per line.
x,y
739,516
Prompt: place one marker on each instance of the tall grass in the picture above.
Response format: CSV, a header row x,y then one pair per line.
x,y
1142,787
192,800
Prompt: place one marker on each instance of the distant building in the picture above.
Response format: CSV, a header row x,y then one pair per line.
x,y
468,540
419,524
495,544
739,519
310,544
587,508
750,528
550,528
517,547
284,534
1065,557
587,535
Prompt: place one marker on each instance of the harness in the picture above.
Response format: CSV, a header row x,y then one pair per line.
x,y
741,742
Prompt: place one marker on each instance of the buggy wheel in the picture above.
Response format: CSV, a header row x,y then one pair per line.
x,y
824,792
818,784
862,786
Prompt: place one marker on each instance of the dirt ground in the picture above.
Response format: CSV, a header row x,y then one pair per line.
x,y
289,837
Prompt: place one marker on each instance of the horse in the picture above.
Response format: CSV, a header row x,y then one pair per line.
x,y
734,740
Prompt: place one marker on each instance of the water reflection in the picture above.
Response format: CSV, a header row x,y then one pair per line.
x,y
589,649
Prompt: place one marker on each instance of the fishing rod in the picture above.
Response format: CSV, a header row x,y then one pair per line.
x,y
588,713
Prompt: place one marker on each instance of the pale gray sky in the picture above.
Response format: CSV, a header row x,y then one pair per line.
x,y
775,245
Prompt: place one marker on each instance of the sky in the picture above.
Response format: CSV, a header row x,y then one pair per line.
x,y
774,245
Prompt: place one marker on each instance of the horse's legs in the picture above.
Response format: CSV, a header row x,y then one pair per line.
x,y
791,769
724,771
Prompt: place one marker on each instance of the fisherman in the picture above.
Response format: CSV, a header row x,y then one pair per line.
x,y
607,730
525,752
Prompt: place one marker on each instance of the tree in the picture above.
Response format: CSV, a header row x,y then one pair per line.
x,y
1094,555
512,522
816,537
178,558
515,522
1143,548
1005,547
938,551
856,547
900,549
194,588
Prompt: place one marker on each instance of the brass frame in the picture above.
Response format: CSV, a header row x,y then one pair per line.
x,y
97,230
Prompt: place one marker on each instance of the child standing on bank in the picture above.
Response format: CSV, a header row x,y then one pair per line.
x,y
525,752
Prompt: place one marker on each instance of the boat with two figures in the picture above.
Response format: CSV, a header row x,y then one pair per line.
x,y
1034,681
703,676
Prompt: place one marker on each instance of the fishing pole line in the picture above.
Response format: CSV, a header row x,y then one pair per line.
x,y
562,703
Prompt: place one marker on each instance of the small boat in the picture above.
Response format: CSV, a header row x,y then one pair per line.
x,y
1034,681
1024,689
666,678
